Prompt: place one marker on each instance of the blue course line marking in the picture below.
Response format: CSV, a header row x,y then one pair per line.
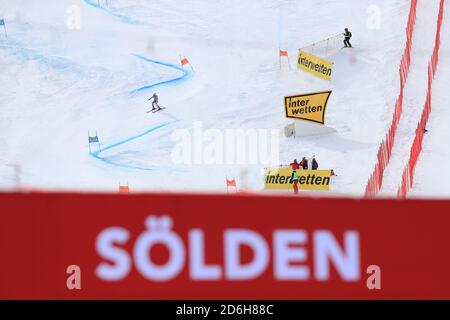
x,y
63,64
113,12
114,145
58,63
185,74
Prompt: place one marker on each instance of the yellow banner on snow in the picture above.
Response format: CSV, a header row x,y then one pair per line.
x,y
314,65
310,107
280,179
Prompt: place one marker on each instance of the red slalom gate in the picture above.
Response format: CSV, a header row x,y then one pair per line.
x,y
385,150
169,246
416,148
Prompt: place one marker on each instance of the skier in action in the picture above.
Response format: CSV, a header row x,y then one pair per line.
x,y
155,105
347,35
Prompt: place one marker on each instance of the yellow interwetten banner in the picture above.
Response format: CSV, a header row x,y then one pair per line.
x,y
280,179
310,106
314,65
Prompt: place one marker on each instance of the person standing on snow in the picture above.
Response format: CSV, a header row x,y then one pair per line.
x,y
314,164
294,177
347,35
155,106
304,163
295,165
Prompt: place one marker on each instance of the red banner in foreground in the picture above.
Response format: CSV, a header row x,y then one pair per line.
x,y
221,247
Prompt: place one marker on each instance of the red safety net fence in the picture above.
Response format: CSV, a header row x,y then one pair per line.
x,y
385,150
416,148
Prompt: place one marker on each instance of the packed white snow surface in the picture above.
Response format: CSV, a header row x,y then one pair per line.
x,y
414,94
58,83
432,176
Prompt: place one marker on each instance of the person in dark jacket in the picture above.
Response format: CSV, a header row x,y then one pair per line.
x,y
347,35
155,105
314,164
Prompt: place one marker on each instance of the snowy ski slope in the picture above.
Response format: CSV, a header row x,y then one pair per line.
x,y
432,177
58,83
414,93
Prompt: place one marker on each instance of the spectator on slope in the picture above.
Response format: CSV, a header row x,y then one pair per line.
x,y
295,165
155,106
347,35
314,164
304,163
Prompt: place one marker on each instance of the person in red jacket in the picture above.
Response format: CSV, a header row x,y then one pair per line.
x,y
295,165
304,163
